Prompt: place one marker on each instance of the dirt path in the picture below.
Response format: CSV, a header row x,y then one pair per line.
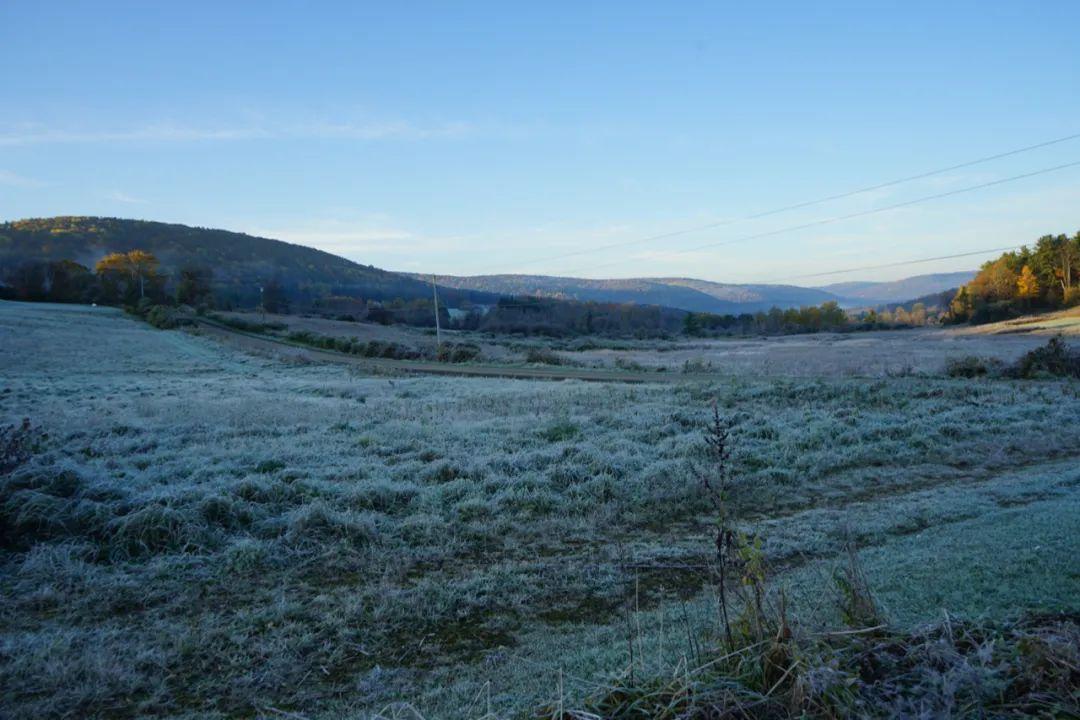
x,y
254,341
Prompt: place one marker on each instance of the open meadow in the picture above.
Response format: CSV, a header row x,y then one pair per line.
x,y
205,532
924,350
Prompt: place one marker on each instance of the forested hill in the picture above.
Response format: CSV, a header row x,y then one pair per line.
x,y
704,295
900,291
239,262
682,293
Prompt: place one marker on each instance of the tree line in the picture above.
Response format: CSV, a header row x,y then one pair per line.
x,y
1043,277
241,263
135,278
119,278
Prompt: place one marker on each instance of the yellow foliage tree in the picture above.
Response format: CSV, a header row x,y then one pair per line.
x,y
1027,285
138,265
996,281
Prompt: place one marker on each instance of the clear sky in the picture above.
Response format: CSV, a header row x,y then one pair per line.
x,y
485,137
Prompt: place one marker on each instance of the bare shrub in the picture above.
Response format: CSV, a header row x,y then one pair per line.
x,y
544,356
970,366
737,555
457,352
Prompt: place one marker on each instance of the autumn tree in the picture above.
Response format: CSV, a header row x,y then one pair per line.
x,y
1027,285
996,281
1056,263
961,306
135,269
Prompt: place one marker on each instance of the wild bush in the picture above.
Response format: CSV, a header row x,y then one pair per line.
x,y
970,366
165,318
543,356
1055,359
457,353
560,431
630,365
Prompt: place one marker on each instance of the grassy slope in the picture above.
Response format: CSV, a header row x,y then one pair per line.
x,y
1064,322
213,533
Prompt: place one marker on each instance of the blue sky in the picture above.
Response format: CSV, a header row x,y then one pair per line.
x,y
490,137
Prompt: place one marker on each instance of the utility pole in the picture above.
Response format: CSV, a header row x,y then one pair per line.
x,y
262,304
438,330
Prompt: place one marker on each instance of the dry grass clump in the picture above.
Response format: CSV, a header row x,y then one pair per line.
x,y
1026,668
769,667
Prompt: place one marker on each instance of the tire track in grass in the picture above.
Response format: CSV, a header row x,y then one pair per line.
x,y
792,542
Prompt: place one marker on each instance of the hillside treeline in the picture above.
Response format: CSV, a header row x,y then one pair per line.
x,y
136,278
812,318
116,279
240,263
566,318
1043,277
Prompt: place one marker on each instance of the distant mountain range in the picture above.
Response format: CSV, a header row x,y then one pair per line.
x,y
242,262
880,293
706,296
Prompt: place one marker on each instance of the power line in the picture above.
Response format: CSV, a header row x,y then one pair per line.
x,y
809,203
540,300
863,213
900,263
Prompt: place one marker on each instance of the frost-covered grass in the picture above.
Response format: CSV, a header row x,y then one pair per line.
x,y
208,533
922,351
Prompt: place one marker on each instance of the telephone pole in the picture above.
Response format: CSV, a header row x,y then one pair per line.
x,y
438,330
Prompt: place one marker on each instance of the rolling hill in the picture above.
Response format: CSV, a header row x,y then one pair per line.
x,y
240,262
896,291
682,293
704,295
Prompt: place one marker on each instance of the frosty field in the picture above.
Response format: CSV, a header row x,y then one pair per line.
x,y
207,533
865,354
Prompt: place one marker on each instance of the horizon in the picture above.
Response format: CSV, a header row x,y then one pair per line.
x,y
482,140
851,281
